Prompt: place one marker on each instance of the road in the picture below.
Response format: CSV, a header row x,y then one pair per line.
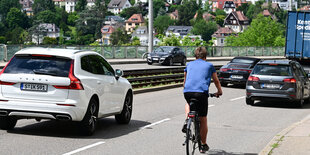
x,y
234,127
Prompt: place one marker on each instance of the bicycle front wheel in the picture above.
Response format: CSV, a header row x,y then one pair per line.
x,y
190,138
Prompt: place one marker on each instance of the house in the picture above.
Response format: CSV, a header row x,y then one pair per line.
x,y
115,21
305,8
142,33
237,21
266,13
46,30
273,6
218,4
140,1
288,5
180,31
206,16
117,6
221,34
70,5
239,2
174,15
229,6
134,21
27,6
106,32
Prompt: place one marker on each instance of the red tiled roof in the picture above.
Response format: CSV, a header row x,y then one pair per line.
x,y
240,16
266,13
223,30
305,8
206,16
109,28
135,18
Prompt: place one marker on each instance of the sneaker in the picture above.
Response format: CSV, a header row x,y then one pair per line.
x,y
184,129
204,148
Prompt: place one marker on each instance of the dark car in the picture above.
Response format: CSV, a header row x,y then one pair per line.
x,y
237,70
167,55
278,80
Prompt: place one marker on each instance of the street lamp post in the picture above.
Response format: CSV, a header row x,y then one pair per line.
x,y
150,43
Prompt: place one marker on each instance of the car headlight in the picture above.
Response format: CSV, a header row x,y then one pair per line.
x,y
165,56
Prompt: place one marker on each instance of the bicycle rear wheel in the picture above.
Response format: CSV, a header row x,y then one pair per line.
x,y
191,142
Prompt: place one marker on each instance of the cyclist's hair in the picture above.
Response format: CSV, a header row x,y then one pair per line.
x,y
201,53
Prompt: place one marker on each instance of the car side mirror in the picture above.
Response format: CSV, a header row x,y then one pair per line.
x,y
118,73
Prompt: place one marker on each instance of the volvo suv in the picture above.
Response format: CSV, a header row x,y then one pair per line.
x,y
278,80
63,85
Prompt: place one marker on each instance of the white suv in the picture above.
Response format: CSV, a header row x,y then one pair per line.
x,y
64,85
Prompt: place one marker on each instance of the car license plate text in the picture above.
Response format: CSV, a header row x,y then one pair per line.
x,y
236,76
155,58
33,87
271,86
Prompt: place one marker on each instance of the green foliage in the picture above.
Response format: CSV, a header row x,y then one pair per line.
x,y
220,20
128,12
80,5
279,41
186,12
187,41
72,18
42,5
263,31
49,41
47,16
6,5
2,40
85,39
161,23
244,7
88,21
220,12
13,37
205,29
157,6
135,42
132,2
16,18
170,41
120,37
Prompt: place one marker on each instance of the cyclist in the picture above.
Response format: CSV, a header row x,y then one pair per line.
x,y
197,79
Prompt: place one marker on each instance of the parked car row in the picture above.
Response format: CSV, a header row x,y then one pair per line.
x,y
277,80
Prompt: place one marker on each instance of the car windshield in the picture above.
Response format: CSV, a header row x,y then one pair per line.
x,y
165,49
272,70
247,61
39,65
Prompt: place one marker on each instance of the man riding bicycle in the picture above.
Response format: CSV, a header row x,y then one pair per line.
x,y
197,79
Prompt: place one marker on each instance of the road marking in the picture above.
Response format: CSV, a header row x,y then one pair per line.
x,y
83,148
147,126
238,98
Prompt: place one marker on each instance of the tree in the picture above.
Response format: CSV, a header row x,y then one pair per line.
x,y
157,6
187,41
72,18
170,41
42,5
88,21
161,23
186,12
263,31
2,40
47,16
244,7
15,36
220,12
205,29
128,12
220,20
49,41
120,37
6,5
16,18
80,5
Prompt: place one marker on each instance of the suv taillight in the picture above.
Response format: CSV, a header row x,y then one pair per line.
x,y
4,82
223,69
253,78
290,80
75,83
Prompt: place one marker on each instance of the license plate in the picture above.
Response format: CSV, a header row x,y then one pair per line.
x,y
155,58
271,86
33,87
236,76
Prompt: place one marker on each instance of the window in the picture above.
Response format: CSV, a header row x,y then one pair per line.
x,y
234,21
96,67
85,64
222,41
231,17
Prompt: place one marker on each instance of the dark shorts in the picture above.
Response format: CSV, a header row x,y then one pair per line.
x,y
201,105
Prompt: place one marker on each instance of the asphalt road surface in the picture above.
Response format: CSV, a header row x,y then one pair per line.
x,y
234,128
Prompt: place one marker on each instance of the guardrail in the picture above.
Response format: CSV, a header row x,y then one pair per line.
x,y
121,52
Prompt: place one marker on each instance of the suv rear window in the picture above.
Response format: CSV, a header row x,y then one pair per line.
x,y
247,61
273,70
39,65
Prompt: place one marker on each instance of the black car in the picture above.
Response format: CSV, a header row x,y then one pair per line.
x,y
278,80
167,55
237,70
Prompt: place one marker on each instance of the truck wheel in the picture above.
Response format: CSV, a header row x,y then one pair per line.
x,y
7,122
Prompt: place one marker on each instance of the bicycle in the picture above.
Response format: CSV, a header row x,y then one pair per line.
x,y
192,136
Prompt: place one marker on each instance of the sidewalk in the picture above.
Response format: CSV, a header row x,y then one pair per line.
x,y
294,140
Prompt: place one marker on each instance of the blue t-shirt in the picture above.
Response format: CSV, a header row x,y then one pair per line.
x,y
198,76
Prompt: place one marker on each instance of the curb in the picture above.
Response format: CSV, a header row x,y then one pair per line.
x,y
275,140
146,90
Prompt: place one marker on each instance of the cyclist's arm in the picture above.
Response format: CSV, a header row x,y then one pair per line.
x,y
184,79
217,84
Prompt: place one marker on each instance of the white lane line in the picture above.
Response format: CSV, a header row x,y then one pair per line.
x,y
238,98
83,148
211,105
147,126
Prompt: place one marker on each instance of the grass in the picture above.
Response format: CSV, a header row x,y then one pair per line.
x,y
276,144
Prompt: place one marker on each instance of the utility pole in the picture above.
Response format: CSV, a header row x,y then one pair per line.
x,y
150,43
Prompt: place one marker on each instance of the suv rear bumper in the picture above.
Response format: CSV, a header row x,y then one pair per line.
x,y
233,81
42,110
256,94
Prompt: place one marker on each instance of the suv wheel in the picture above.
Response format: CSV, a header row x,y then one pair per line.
x,y
89,122
249,101
7,123
125,116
